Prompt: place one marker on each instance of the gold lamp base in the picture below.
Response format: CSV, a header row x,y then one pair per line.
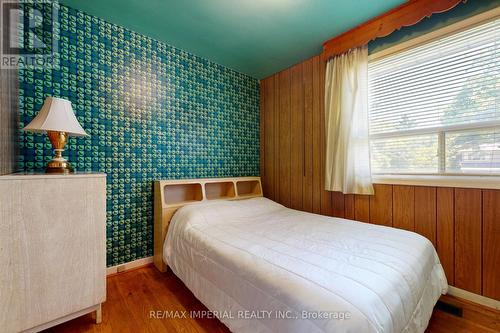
x,y
59,167
58,164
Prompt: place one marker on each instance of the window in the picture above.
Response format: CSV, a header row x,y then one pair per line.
x,y
435,108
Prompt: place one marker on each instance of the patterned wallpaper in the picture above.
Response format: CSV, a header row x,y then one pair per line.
x,y
152,111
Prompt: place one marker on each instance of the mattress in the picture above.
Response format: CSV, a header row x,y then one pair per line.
x,y
261,267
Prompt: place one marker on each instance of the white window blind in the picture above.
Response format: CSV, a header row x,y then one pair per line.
x,y
435,108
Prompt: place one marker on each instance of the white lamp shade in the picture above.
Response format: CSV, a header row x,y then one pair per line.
x,y
56,115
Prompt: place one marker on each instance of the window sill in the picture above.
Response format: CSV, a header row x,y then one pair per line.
x,y
482,182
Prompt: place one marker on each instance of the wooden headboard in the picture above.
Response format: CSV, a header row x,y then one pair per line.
x,y
170,195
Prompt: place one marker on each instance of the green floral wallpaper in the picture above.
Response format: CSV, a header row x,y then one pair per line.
x,y
152,111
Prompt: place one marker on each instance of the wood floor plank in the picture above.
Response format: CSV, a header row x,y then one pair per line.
x,y
170,294
132,295
487,317
455,324
133,290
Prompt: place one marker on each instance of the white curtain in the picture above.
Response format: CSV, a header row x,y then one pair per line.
x,y
346,118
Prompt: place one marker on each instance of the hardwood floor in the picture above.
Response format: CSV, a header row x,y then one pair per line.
x,y
134,294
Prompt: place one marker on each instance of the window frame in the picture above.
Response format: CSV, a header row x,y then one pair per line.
x,y
440,176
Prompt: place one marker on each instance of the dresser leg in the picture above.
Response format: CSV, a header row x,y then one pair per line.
x,y
98,314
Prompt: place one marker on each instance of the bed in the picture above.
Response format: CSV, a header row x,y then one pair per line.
x,y
261,267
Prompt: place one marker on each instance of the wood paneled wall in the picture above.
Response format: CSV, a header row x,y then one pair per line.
x,y
291,137
463,224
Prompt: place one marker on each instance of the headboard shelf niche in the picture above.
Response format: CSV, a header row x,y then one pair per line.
x,y
170,195
248,188
220,190
181,194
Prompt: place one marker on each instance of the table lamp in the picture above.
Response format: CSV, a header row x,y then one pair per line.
x,y
57,119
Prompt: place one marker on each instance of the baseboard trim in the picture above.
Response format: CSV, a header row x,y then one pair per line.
x,y
129,265
475,298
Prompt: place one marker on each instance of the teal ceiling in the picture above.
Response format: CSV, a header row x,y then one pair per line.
x,y
255,37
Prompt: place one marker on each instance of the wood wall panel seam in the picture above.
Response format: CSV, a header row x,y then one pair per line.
x,y
381,205
284,137
269,146
468,231
317,186
445,234
308,136
491,246
362,207
403,207
326,196
338,204
296,138
425,212
349,206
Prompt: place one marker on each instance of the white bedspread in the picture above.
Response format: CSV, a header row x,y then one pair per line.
x,y
262,267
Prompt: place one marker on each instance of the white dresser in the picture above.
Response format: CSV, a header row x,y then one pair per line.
x,y
52,249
